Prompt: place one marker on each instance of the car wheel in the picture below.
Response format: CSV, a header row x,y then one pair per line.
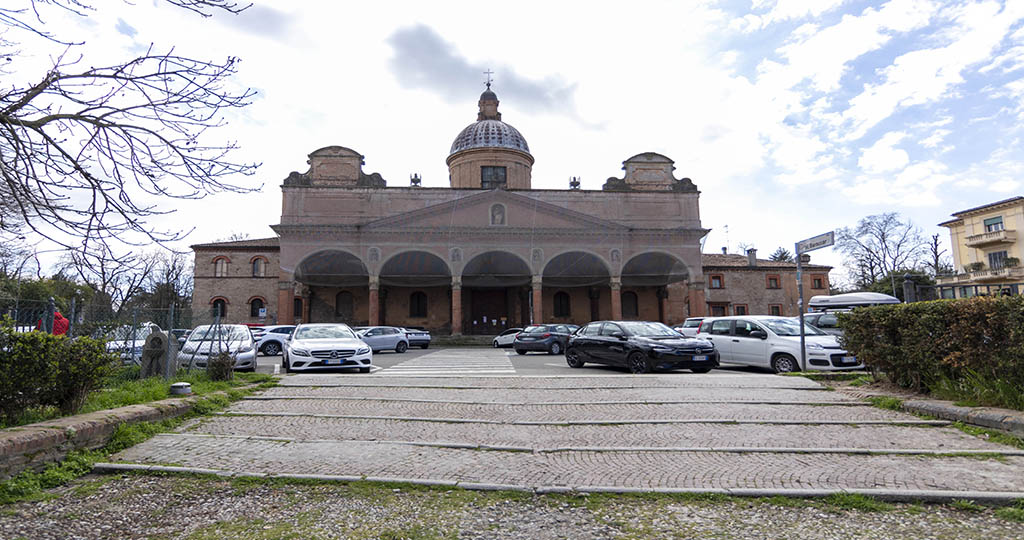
x,y
555,348
701,370
520,351
401,347
573,359
364,370
496,344
784,363
271,348
638,363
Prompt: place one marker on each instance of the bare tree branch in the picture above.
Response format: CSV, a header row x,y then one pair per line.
x,y
88,155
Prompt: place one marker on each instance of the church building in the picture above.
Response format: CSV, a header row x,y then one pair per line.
x,y
487,253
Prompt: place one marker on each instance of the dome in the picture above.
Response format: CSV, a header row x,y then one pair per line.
x,y
489,134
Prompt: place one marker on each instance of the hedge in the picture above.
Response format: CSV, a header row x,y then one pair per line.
x,y
42,370
925,344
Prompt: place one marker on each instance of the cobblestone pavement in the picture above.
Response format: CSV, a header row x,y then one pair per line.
x,y
670,431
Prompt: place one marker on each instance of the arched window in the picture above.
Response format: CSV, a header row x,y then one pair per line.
x,y
562,305
255,305
220,308
259,267
344,305
418,304
630,305
220,267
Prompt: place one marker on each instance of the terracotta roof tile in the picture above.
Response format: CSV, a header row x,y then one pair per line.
x,y
717,260
255,243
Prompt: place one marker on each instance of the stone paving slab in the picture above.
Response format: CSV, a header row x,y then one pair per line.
x,y
715,379
634,469
561,413
538,396
880,437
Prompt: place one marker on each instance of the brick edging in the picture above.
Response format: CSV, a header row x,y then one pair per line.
x,y
36,445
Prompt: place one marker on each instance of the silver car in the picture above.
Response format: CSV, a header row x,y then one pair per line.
x,y
382,338
326,346
273,339
210,340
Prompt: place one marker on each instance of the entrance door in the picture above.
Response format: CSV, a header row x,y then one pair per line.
x,y
489,311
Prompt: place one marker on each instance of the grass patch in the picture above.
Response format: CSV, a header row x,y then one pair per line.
x,y
967,505
991,435
855,501
32,485
124,388
1012,513
825,376
886,402
862,380
974,389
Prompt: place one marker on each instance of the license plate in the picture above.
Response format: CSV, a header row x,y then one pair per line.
x,y
700,358
328,361
849,360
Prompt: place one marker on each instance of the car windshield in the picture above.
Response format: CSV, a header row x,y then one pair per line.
x,y
648,329
789,327
691,324
219,333
324,332
534,328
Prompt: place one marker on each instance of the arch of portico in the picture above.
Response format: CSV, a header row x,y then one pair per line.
x,y
582,276
492,293
659,279
408,272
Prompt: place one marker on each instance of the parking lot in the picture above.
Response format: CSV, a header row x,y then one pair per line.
x,y
425,416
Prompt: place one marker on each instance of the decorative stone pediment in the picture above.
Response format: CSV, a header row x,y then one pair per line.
x,y
496,210
649,171
337,166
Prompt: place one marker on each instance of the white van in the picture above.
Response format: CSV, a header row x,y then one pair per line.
x,y
774,343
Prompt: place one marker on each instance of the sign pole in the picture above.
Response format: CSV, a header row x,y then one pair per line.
x,y
800,304
811,244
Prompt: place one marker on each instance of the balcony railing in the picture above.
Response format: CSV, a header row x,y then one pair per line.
x,y
990,274
1005,236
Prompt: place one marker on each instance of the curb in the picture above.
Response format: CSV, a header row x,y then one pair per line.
x,y
1006,420
937,496
620,449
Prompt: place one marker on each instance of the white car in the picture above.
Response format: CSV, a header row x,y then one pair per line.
x,y
774,343
210,340
506,338
689,327
326,346
273,339
127,342
381,338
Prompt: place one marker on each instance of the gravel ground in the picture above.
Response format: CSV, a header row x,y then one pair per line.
x,y
146,506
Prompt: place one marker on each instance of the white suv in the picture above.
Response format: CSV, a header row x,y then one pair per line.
x,y
774,342
689,327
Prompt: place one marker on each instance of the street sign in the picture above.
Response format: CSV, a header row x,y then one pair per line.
x,y
817,242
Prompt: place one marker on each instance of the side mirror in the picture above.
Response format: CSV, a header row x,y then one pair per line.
x,y
759,334
619,335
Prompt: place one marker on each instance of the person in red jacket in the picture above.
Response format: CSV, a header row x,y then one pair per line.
x,y
60,324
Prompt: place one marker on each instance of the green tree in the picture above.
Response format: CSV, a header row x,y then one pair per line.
x,y
782,255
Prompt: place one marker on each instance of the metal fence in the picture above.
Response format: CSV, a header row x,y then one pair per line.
x,y
124,330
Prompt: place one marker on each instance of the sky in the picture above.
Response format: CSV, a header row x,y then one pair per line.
x,y
793,117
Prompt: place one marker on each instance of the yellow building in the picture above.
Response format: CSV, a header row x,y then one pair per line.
x,y
986,250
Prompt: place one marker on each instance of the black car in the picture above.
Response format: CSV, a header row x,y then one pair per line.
x,y
640,346
549,338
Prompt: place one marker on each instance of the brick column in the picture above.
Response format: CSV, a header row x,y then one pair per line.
x,y
662,294
538,299
616,286
285,302
456,306
698,302
374,308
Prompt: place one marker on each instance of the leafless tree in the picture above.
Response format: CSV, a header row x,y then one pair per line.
x,y
89,154
938,263
879,246
115,279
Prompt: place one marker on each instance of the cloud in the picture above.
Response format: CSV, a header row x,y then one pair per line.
x,y
125,28
935,138
1004,186
928,75
424,60
883,156
259,20
783,10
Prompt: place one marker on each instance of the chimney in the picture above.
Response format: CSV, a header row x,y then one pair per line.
x,y
751,257
724,252
805,258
